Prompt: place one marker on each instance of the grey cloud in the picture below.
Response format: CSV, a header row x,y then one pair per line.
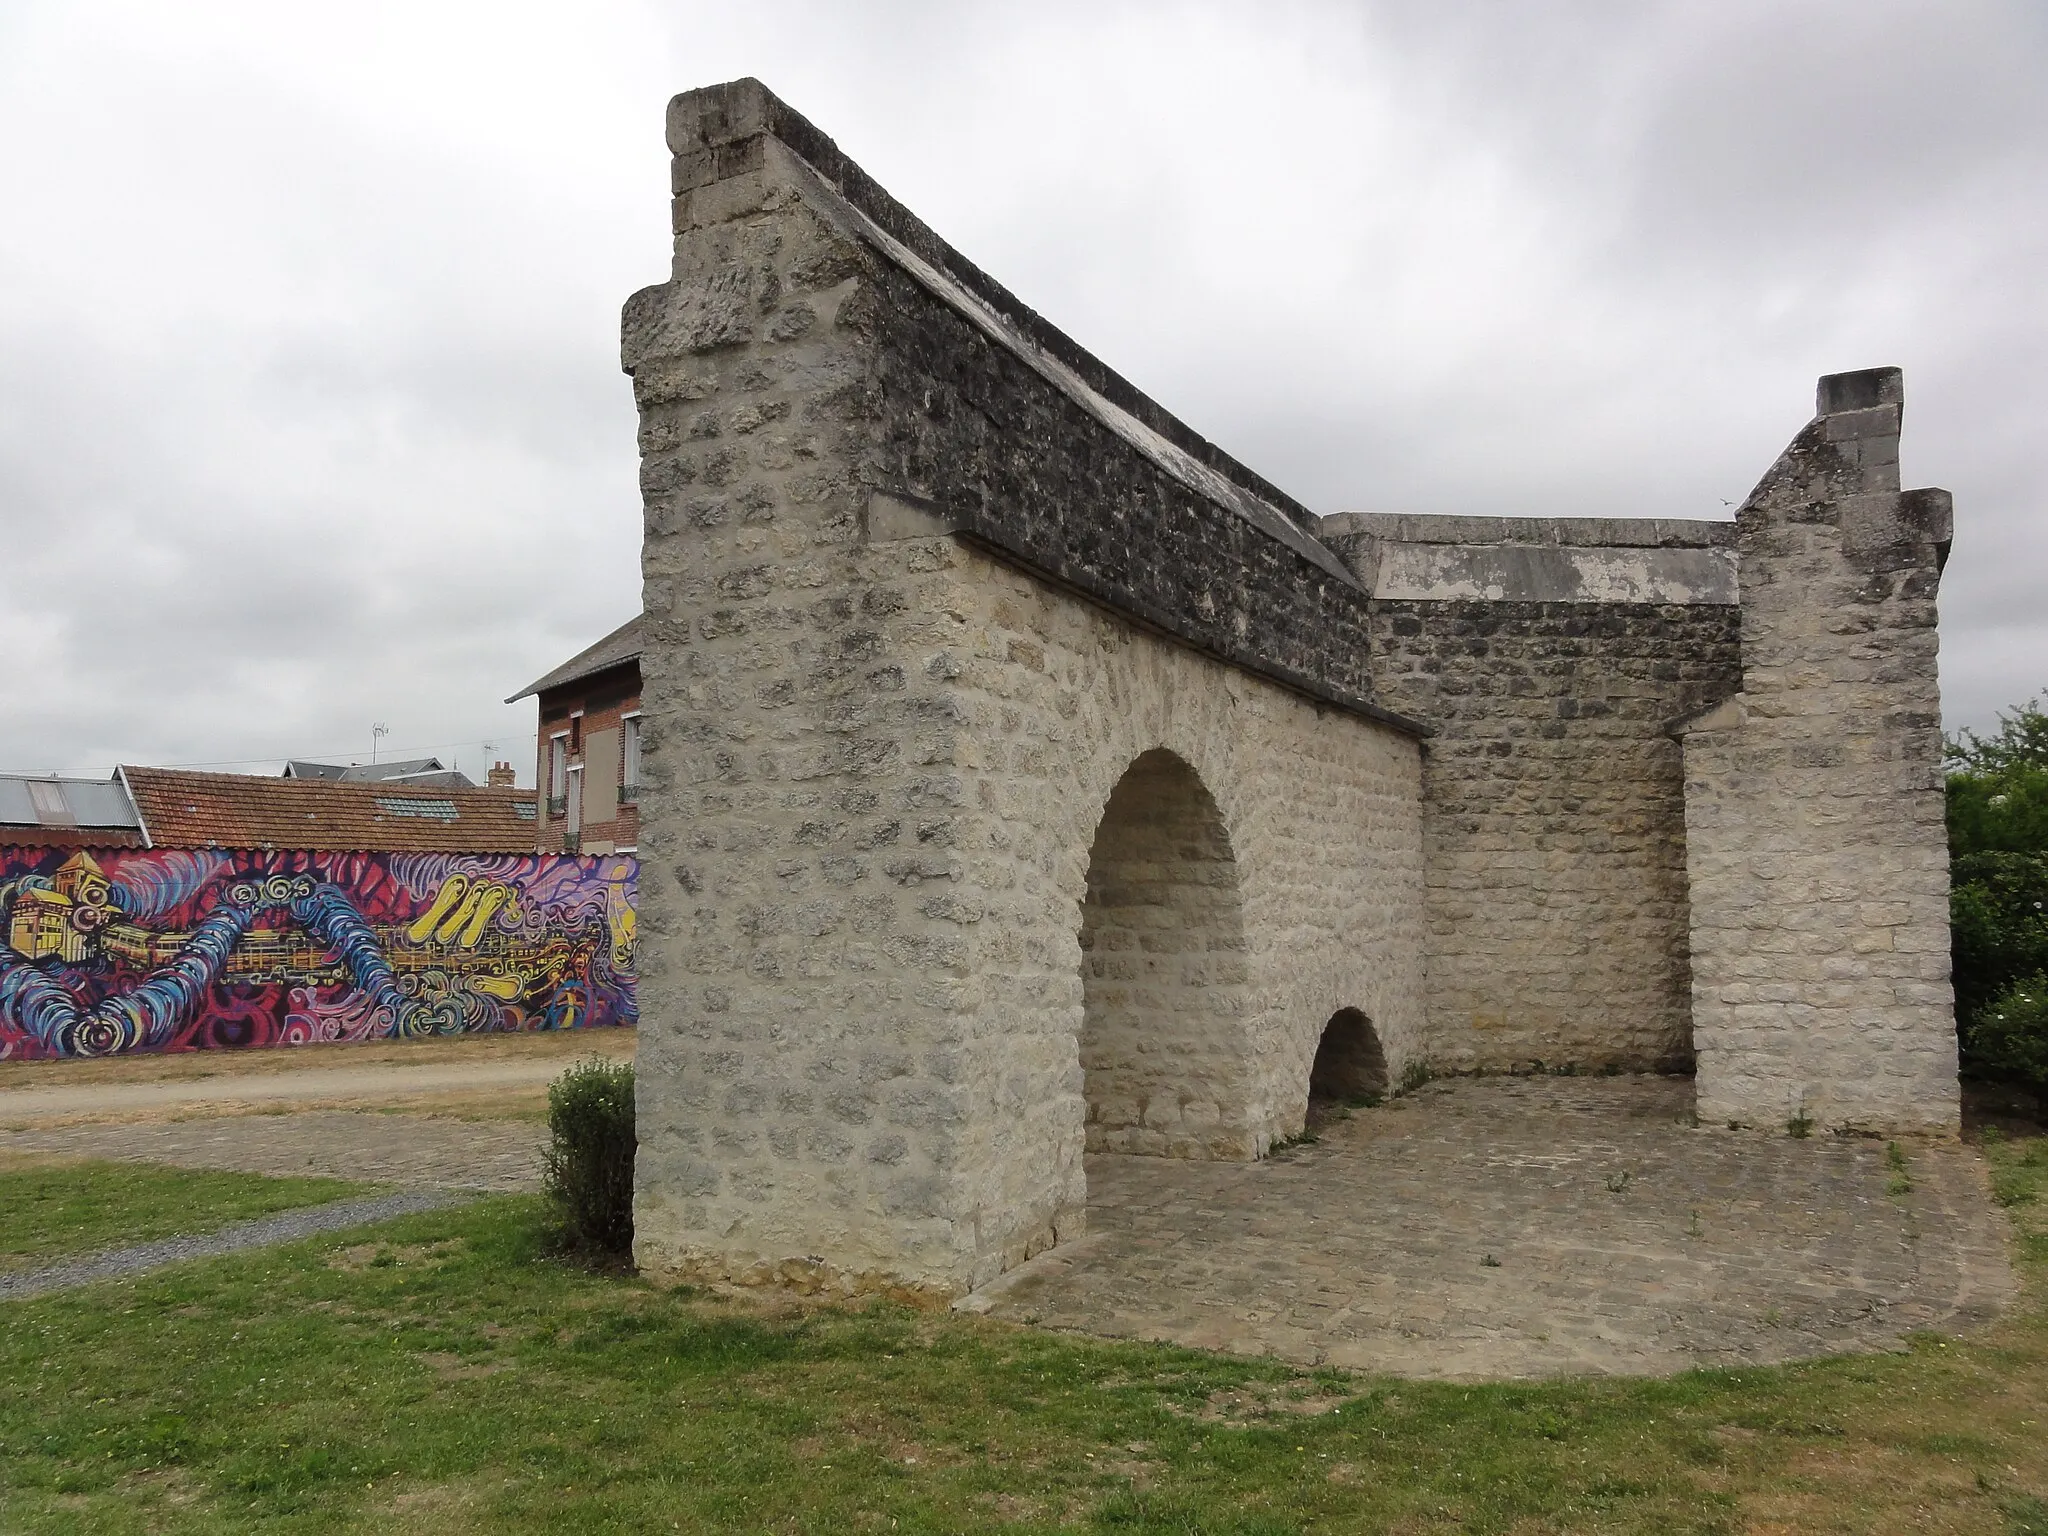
x,y
309,404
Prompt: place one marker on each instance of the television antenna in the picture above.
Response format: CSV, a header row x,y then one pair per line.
x,y
377,733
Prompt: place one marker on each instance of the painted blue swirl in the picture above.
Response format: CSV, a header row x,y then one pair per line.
x,y
150,1012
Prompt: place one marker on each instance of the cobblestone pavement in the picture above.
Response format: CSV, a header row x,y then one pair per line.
x,y
1525,1227
414,1151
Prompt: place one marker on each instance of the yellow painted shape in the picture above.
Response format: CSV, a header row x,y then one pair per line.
x,y
485,904
450,893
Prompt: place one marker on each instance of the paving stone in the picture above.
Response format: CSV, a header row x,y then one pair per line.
x,y
1368,1249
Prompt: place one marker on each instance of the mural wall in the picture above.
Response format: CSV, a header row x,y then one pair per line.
x,y
172,950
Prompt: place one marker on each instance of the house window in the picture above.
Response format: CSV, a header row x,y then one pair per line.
x,y
576,733
572,837
558,773
629,770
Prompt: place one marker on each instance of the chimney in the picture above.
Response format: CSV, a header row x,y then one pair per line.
x,y
501,776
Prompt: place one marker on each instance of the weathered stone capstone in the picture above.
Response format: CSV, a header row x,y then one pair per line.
x,y
1024,776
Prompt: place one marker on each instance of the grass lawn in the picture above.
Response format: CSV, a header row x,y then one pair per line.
x,y
52,1209
440,1374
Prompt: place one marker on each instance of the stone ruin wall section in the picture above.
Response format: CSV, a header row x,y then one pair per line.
x,y
1553,792
1816,838
886,701
1322,810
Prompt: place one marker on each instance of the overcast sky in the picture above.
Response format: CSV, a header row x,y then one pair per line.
x,y
310,409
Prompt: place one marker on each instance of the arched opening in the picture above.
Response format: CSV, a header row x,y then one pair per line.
x,y
1164,1056
1350,1067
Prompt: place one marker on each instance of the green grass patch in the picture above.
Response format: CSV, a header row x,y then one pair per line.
x,y
2019,1170
57,1210
444,1372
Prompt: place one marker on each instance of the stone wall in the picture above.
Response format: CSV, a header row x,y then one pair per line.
x,y
1550,656
1817,850
883,722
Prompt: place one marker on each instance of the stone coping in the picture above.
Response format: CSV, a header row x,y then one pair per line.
x,y
713,133
1589,532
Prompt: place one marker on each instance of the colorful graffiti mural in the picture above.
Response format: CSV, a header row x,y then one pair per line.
x,y
171,950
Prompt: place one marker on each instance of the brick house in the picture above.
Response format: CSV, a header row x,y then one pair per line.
x,y
588,767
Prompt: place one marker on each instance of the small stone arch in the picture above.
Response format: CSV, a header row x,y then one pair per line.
x,y
1165,1054
1350,1064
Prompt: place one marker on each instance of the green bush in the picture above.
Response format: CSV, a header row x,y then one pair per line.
x,y
1998,902
2009,1038
1998,917
588,1167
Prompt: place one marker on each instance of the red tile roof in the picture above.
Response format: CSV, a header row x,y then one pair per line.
x,y
181,809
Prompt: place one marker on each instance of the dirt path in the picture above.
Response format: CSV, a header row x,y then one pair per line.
x,y
489,1077
411,1151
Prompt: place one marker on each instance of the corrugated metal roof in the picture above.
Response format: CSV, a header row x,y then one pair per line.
x,y
368,773
70,837
620,646
89,802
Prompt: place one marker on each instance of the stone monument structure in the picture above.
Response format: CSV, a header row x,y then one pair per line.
x,y
1024,776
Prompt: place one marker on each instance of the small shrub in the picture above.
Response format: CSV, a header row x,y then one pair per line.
x,y
587,1169
1415,1074
1800,1126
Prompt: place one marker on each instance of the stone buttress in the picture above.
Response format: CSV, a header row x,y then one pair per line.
x,y
1815,842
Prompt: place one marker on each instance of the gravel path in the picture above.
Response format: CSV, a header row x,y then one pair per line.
x,y
284,1227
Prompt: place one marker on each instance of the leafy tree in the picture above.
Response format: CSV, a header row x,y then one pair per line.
x,y
1998,851
1998,787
